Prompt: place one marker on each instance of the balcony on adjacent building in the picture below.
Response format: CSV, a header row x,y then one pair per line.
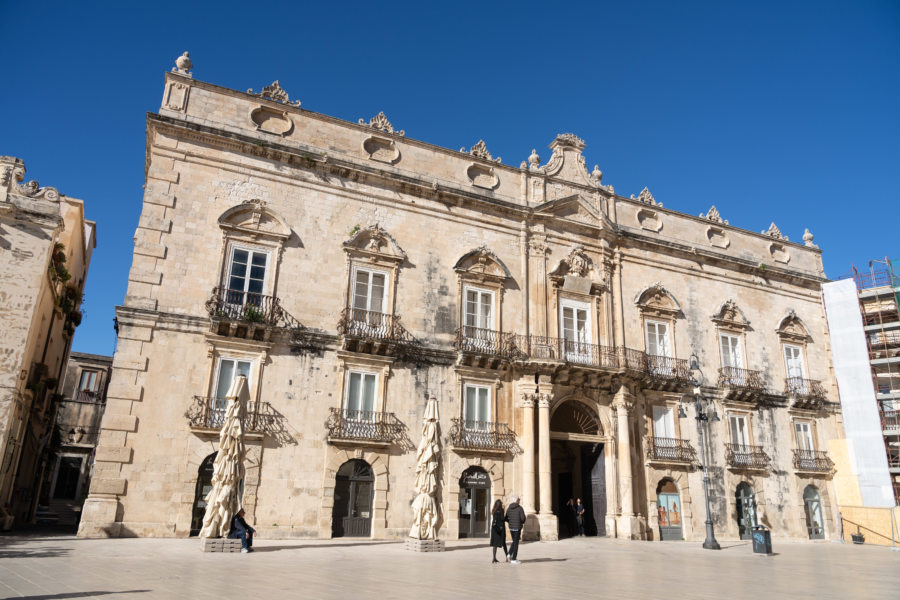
x,y
746,457
805,393
741,384
485,348
812,461
240,314
890,420
482,437
363,427
372,332
670,451
207,415
893,458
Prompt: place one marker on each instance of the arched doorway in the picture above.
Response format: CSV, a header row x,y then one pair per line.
x,y
669,511
812,504
474,503
204,485
354,489
746,510
579,468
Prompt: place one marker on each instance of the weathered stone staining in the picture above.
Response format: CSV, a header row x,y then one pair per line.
x,y
352,272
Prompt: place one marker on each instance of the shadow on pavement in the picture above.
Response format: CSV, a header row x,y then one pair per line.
x,y
80,595
467,547
534,560
311,546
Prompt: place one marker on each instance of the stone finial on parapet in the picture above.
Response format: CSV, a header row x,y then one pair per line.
x,y
12,170
808,239
183,65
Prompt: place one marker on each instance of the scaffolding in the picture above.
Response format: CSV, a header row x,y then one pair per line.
x,y
879,298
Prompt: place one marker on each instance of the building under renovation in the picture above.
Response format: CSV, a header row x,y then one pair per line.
x,y
569,333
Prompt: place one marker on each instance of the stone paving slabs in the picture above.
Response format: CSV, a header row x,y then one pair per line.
x,y
67,567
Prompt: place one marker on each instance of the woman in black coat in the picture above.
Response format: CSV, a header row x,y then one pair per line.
x,y
498,530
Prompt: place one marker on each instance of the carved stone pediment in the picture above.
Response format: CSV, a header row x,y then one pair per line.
x,y
480,150
275,93
567,163
375,243
576,272
380,123
481,264
774,232
731,316
792,329
645,197
657,300
576,209
256,219
714,216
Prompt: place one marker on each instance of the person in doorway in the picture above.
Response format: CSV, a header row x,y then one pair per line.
x,y
515,516
240,530
579,516
498,531
568,517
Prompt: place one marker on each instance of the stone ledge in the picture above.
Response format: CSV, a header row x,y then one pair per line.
x,y
220,545
415,545
119,422
113,454
153,249
151,277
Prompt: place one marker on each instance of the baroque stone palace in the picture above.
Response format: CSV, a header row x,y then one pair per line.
x,y
351,272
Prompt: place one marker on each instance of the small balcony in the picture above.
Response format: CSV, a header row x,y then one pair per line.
x,y
204,416
812,462
893,458
484,348
482,437
805,393
88,397
742,384
890,420
371,332
748,458
244,315
667,373
363,427
670,451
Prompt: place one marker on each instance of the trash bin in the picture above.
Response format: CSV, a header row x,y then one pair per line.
x,y
762,540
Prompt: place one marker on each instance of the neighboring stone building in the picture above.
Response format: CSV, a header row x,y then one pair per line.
x,y
78,417
352,272
45,250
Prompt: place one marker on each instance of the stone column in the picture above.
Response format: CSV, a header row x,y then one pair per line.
x,y
528,453
546,488
627,526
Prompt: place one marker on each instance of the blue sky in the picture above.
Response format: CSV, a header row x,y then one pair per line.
x,y
772,111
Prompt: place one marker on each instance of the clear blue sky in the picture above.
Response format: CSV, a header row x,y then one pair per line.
x,y
773,111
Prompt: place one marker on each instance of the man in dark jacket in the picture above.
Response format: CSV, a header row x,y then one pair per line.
x,y
515,516
240,530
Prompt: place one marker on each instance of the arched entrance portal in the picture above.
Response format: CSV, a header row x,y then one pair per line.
x,y
354,488
474,503
669,510
746,510
204,485
579,468
812,504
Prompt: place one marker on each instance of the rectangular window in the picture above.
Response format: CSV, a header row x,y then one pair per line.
x,y
803,430
247,276
793,361
740,434
477,405
730,346
658,339
369,290
88,381
360,398
663,422
229,368
576,329
479,309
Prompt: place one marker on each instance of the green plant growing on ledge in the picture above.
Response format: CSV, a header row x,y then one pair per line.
x,y
253,314
58,264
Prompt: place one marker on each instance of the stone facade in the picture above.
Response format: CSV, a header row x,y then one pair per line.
x,y
45,250
353,272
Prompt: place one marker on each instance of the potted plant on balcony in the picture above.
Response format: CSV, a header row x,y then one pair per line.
x,y
253,314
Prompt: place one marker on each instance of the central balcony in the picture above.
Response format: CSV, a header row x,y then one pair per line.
x,y
813,462
805,393
482,437
363,427
747,458
207,415
670,451
371,332
742,384
484,348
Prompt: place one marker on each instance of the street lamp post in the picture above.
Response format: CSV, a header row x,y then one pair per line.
x,y
703,418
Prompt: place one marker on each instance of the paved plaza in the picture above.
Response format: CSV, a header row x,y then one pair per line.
x,y
67,567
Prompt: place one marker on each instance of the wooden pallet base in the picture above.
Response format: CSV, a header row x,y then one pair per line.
x,y
415,545
220,545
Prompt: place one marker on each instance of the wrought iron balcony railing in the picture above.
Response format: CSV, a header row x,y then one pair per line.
x,y
808,389
88,396
742,456
476,340
742,379
665,367
364,426
209,413
482,435
235,305
664,449
580,353
373,326
812,461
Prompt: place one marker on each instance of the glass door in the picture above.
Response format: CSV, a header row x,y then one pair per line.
x,y
659,349
669,512
746,511
576,327
814,524
478,333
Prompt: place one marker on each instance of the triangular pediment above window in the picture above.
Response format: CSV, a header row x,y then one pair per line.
x,y
255,219
482,264
657,300
792,329
575,209
375,243
731,316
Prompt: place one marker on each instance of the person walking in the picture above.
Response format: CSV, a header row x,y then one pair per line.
x,y
498,531
515,516
579,516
